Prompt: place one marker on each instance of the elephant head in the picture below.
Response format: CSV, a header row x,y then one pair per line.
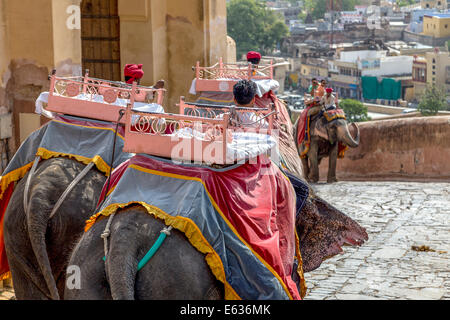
x,y
336,131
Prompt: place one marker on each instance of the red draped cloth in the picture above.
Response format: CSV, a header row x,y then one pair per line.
x,y
257,199
301,126
4,266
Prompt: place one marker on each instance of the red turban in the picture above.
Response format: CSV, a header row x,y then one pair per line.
x,y
329,90
134,71
253,55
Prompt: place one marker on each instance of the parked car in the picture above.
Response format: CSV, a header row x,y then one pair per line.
x,y
299,105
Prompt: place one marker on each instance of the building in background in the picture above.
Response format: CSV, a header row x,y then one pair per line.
x,y
438,65
370,74
437,4
348,17
288,10
419,77
436,25
416,19
313,68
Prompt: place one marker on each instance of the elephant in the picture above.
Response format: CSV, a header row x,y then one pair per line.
x,y
38,247
322,230
178,270
326,139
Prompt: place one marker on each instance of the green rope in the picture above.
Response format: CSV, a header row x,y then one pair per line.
x,y
150,252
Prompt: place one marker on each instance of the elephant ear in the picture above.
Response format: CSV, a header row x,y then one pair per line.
x,y
320,128
323,230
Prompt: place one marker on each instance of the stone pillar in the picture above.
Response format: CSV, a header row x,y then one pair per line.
x,y
4,57
196,31
66,25
231,50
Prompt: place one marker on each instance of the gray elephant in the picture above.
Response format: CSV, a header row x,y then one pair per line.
x,y
178,270
329,136
37,247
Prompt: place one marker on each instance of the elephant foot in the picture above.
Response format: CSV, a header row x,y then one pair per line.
x,y
332,179
313,179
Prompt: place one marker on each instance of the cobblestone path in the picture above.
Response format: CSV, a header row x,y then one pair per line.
x,y
397,217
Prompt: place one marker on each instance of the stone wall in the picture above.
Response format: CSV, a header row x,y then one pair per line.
x,y
424,39
398,149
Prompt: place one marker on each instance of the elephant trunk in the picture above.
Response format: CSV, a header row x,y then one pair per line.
x,y
346,137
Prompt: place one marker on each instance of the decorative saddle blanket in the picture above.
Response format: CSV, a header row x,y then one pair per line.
x,y
303,127
82,139
252,207
333,114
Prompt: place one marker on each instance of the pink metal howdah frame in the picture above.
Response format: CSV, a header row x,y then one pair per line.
x,y
156,133
96,98
221,77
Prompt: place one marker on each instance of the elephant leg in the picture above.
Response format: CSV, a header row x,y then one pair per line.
x,y
25,287
313,156
332,160
305,166
86,274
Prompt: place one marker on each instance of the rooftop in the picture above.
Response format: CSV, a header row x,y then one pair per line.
x,y
397,23
438,15
403,45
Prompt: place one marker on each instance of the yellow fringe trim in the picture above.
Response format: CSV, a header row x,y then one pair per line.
x,y
13,176
92,219
5,276
304,153
45,154
342,152
178,176
215,100
303,286
335,116
97,160
192,232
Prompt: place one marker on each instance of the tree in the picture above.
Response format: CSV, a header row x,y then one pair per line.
x,y
403,3
355,111
254,27
302,16
432,101
349,5
317,8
